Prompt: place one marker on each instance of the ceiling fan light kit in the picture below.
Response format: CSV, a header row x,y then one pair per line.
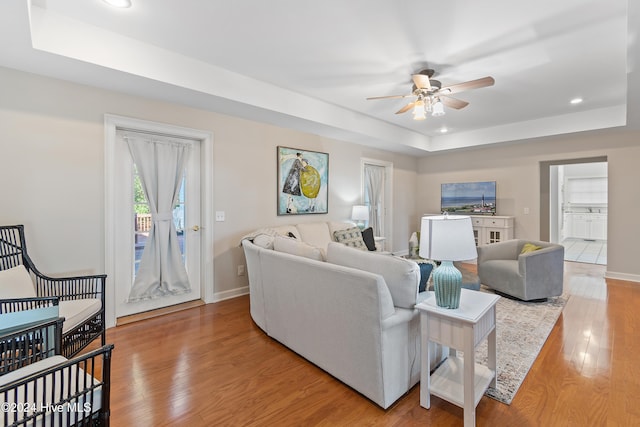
x,y
419,112
432,97
438,108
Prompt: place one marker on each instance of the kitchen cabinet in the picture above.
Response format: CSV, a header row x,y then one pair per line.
x,y
592,226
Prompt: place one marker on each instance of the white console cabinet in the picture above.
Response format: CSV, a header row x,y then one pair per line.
x,y
492,229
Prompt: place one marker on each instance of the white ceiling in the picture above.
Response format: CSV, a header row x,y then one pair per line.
x,y
310,65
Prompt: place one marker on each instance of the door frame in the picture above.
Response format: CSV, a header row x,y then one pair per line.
x,y
388,196
111,124
545,190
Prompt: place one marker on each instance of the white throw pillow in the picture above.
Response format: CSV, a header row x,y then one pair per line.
x,y
264,241
295,247
402,276
16,283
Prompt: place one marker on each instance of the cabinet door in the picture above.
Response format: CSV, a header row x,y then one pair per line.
x,y
495,235
598,227
476,235
581,227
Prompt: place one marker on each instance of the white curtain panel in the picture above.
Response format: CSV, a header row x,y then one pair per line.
x,y
160,163
374,179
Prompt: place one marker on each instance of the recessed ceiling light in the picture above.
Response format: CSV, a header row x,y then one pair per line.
x,y
575,101
444,130
118,3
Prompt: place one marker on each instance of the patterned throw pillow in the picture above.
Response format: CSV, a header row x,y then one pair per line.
x,y
350,237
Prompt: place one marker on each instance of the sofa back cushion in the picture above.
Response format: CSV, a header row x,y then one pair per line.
x,y
16,283
315,234
402,276
296,247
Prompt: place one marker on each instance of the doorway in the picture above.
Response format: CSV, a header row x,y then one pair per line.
x,y
578,205
130,214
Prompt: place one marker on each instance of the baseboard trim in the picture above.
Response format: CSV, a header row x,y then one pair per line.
x,y
232,293
125,320
622,276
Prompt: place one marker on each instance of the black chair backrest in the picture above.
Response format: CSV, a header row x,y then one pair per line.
x,y
13,250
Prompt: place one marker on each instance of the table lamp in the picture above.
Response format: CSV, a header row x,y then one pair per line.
x,y
360,213
447,238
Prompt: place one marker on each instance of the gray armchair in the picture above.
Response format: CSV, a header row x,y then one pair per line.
x,y
534,275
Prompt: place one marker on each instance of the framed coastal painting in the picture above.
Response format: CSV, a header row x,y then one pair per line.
x,y
303,181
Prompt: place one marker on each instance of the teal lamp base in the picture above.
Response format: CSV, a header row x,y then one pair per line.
x,y
447,281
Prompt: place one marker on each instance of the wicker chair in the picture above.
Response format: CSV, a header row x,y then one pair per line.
x,y
38,386
81,298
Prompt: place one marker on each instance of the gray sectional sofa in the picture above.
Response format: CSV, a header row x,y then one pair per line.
x,y
348,311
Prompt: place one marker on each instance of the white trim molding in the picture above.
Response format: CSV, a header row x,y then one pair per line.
x,y
111,124
622,276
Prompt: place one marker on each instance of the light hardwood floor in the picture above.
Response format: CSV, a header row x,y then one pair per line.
x,y
211,365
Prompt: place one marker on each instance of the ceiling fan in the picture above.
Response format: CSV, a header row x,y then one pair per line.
x,y
431,97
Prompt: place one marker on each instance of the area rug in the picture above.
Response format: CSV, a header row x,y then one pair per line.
x,y
521,330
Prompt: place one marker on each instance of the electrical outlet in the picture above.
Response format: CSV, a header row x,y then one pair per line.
x,y
241,270
220,216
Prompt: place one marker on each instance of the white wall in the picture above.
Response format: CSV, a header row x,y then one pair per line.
x,y
516,168
52,170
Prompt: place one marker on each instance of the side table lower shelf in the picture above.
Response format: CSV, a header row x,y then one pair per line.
x,y
447,382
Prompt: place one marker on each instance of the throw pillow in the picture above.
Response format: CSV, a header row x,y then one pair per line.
x,y
402,276
369,241
529,247
425,272
264,241
296,247
16,283
351,237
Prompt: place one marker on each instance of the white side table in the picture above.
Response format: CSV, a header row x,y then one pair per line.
x,y
379,242
459,381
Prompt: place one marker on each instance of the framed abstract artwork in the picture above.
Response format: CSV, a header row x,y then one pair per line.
x,y
303,181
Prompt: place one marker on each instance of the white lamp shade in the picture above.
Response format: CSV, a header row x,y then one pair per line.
x,y
447,238
360,213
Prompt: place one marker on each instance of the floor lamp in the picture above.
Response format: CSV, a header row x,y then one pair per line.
x,y
447,238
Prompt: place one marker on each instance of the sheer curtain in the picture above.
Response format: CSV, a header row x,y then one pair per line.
x,y
374,183
160,162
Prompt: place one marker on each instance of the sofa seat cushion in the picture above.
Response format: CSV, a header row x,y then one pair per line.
x,y
402,276
16,283
77,311
295,247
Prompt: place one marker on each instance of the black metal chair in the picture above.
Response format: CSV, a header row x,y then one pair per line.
x,y
51,290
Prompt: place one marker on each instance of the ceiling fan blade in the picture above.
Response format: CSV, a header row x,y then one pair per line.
x,y
406,108
453,102
472,84
421,81
389,97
